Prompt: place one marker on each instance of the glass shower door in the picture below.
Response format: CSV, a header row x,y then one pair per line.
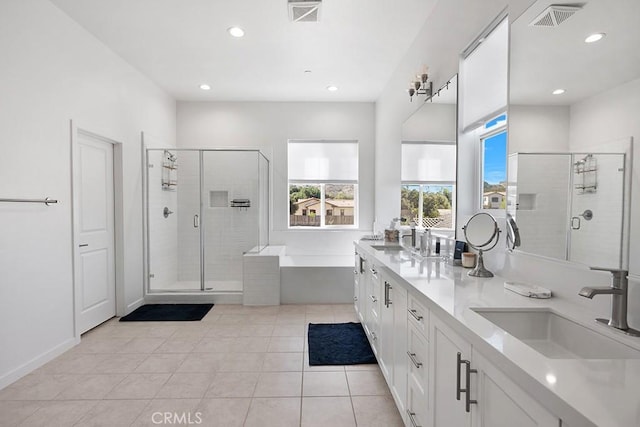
x,y
173,218
230,199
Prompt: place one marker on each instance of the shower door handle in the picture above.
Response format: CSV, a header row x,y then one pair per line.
x,y
196,221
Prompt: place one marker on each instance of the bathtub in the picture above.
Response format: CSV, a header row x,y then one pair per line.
x,y
274,276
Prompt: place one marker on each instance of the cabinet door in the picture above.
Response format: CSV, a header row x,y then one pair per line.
x,y
356,283
445,345
501,403
385,356
398,299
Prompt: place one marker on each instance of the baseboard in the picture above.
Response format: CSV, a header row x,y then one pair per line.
x,y
33,364
137,303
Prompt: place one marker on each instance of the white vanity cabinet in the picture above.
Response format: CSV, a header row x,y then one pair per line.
x,y
392,355
469,391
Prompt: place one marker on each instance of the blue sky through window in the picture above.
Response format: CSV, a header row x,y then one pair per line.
x,y
495,158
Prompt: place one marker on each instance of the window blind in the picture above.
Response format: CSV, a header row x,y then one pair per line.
x,y
323,161
428,162
484,78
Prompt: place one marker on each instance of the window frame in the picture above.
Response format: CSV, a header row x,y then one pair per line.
x,y
322,183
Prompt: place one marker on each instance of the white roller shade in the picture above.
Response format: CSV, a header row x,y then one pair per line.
x,y
323,161
428,162
484,78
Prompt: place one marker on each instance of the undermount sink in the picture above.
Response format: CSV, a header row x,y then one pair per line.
x,y
389,248
556,337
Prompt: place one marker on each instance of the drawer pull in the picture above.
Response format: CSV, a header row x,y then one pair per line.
x,y
412,418
412,356
467,389
415,314
373,298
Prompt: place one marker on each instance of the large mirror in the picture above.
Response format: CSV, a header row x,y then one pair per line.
x,y
573,108
428,191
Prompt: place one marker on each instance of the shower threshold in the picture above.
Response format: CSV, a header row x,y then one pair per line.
x,y
209,286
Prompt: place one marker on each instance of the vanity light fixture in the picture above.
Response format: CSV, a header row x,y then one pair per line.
x,y
421,85
236,31
558,92
594,37
332,88
205,86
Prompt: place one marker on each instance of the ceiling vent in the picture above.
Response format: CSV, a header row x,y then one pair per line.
x,y
304,10
554,15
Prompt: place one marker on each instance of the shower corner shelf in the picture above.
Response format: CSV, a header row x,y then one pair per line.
x,y
240,203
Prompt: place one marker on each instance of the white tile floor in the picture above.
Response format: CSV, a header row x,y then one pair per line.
x,y
239,366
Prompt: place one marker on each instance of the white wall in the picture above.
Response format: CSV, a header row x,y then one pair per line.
x,y
268,126
538,129
54,71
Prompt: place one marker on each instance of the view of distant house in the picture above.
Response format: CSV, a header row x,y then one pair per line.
x,y
338,212
493,199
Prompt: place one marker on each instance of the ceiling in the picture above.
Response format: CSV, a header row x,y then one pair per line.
x,y
545,59
181,44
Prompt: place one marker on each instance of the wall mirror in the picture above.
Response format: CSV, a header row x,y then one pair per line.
x,y
574,72
429,135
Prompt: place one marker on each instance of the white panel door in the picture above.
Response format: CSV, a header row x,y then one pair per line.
x,y
94,225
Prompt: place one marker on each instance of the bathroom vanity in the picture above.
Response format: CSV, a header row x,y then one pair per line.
x,y
463,351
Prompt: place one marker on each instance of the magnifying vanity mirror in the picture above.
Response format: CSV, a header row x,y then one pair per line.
x,y
482,233
429,135
572,109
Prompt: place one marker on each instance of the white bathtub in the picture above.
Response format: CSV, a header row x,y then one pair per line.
x,y
303,278
316,279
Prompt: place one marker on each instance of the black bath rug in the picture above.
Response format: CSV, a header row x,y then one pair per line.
x,y
167,312
338,344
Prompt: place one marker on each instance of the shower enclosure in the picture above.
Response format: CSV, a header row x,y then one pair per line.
x,y
204,209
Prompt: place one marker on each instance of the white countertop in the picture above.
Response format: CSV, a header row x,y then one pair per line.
x,y
580,391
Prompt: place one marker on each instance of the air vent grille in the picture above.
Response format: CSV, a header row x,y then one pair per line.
x,y
304,10
554,15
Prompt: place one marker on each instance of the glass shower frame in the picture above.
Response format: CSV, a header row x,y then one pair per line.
x,y
261,203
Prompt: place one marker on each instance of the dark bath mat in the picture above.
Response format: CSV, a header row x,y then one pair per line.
x,y
167,312
338,344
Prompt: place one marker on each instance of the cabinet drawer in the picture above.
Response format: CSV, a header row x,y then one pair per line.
x,y
418,355
418,315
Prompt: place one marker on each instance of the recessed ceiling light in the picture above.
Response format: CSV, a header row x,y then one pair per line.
x,y
594,37
205,87
332,88
558,92
236,31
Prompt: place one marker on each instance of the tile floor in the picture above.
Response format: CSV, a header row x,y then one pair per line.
x,y
239,366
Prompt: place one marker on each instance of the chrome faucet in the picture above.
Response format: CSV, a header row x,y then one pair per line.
x,y
413,235
619,293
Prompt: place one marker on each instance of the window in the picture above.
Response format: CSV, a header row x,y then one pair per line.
x,y
494,163
427,194
323,177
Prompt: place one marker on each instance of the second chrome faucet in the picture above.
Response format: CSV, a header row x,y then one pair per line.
x,y
619,294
